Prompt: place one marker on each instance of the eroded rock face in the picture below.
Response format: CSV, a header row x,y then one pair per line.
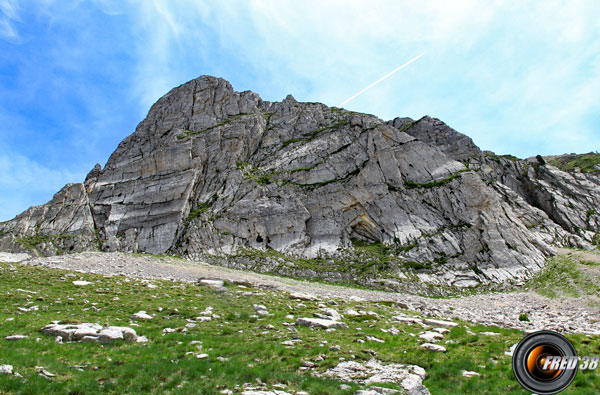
x,y
62,225
214,171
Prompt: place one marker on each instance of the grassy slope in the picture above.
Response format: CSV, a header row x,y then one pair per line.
x,y
253,350
584,162
566,276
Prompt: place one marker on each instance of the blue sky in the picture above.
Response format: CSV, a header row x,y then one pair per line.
x,y
76,77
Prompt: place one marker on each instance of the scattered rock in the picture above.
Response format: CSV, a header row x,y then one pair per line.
x,y
27,291
6,369
215,283
301,296
81,283
407,319
431,337
468,373
15,337
43,372
28,309
330,314
355,298
141,315
290,342
261,309
433,347
511,351
320,323
375,339
445,324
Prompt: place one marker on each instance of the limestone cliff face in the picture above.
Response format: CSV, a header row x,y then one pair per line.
x,y
211,170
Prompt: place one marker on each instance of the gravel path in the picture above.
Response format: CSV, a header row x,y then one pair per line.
x,y
568,315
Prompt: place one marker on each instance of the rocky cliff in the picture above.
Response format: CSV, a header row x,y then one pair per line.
x,y
306,189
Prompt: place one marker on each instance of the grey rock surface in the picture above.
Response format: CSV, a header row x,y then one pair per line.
x,y
212,173
15,337
433,347
373,371
89,332
320,323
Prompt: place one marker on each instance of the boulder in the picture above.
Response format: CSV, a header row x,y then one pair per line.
x,y
320,323
15,337
433,347
141,315
6,369
89,332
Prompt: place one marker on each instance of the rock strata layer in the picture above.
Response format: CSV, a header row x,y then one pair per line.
x,y
214,172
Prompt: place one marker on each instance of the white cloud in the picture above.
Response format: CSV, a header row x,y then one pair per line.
x,y
518,77
504,72
10,9
9,15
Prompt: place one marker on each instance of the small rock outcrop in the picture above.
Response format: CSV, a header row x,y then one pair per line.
x,y
320,323
89,332
212,172
410,377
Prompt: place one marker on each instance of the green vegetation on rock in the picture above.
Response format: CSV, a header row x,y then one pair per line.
x,y
32,242
411,185
254,173
312,135
188,133
584,162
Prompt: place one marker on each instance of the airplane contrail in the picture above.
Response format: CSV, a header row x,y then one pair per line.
x,y
381,79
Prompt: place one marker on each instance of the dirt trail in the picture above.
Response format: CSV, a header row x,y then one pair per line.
x,y
568,315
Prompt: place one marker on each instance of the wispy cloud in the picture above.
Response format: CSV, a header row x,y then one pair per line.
x,y
518,77
9,15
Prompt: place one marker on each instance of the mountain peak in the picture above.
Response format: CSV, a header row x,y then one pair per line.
x,y
211,172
